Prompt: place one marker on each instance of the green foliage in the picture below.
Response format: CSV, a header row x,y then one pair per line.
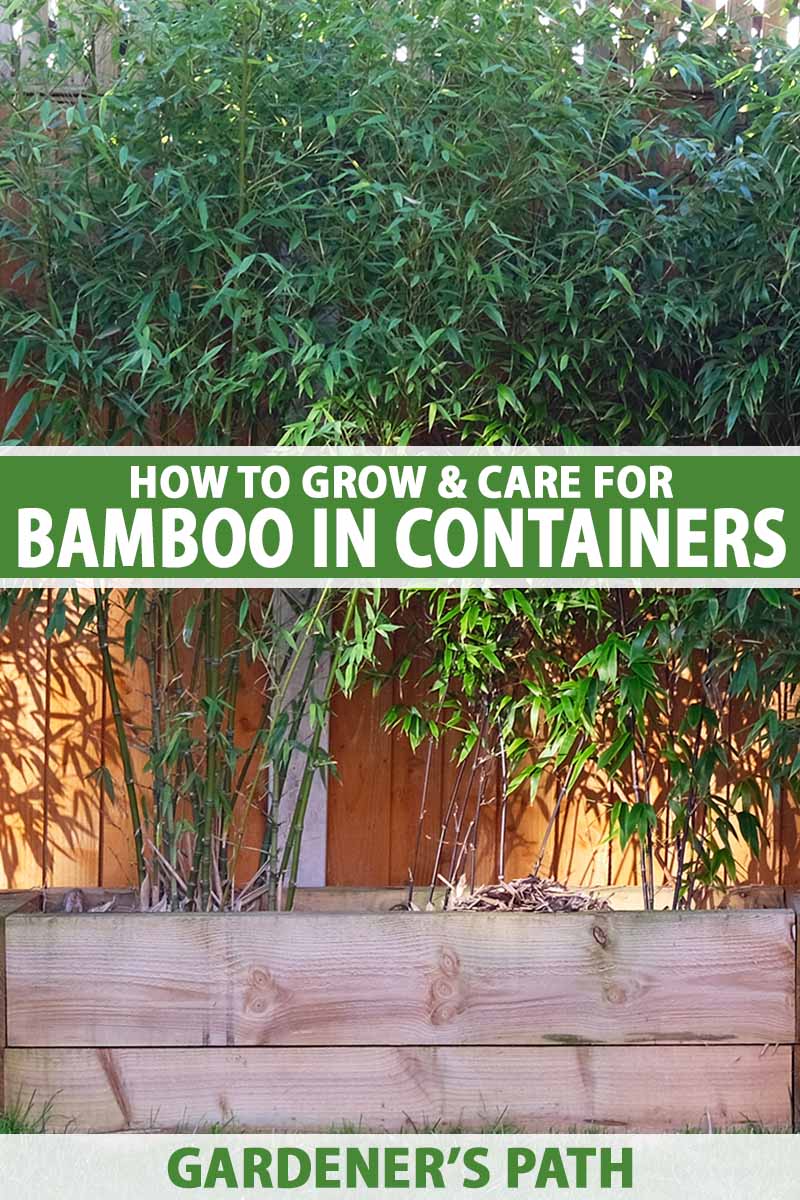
x,y
686,702
348,222
197,656
25,1117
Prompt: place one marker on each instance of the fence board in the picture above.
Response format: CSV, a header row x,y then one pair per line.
x,y
412,848
400,979
118,851
381,1088
74,750
24,682
51,829
360,792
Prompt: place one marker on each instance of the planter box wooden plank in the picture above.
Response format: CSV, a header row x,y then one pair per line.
x,y
624,897
402,979
10,902
544,1088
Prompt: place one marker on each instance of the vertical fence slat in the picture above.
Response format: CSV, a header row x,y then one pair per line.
x,y
359,793
117,853
23,734
74,786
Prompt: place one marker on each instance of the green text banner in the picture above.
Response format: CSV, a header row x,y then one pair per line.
x,y
400,516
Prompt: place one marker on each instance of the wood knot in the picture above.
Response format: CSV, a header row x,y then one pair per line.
x,y
445,995
449,963
261,991
599,934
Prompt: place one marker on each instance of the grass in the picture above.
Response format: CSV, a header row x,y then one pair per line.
x,y
31,1119
500,1126
348,1128
24,1118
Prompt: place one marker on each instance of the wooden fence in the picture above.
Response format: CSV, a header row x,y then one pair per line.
x,y
58,826
307,1021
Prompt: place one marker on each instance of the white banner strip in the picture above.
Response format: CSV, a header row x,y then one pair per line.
x,y
464,1166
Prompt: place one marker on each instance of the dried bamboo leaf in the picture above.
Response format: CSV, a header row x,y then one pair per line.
x,y
529,894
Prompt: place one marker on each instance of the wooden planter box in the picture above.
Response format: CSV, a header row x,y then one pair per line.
x,y
313,1020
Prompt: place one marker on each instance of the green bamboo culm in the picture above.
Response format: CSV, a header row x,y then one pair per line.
x,y
291,854
214,715
206,779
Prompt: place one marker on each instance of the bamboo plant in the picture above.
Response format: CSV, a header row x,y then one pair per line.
x,y
348,222
681,705
217,804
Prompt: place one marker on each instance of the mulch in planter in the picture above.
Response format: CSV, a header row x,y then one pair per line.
x,y
530,894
